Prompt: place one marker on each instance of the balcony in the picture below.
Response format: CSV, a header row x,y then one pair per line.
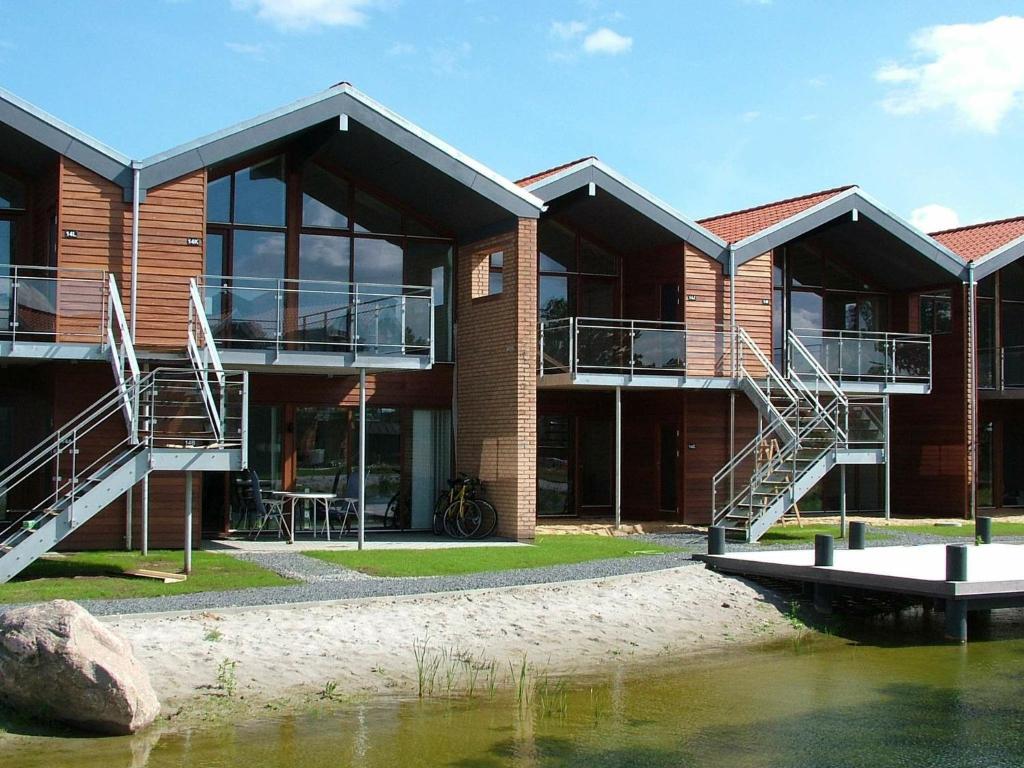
x,y
603,352
1001,371
869,362
53,313
318,324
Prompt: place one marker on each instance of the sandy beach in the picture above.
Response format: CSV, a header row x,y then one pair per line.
x,y
367,646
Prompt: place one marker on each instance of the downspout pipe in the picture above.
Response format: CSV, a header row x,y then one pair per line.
x,y
732,308
135,245
972,388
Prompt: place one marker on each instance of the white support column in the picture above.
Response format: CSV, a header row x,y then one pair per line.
x,y
888,425
618,457
128,520
362,457
144,547
842,501
188,523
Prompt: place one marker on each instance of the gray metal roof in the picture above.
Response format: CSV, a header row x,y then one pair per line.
x,y
342,99
836,206
995,260
56,135
593,171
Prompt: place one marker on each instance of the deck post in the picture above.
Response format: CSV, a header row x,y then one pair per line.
x,y
956,562
716,540
144,548
983,529
823,598
618,458
188,523
858,534
842,501
956,620
824,550
362,457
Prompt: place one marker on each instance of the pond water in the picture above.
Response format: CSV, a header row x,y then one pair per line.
x,y
839,702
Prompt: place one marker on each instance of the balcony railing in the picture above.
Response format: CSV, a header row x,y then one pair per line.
x,y
591,345
319,316
1001,368
867,357
46,304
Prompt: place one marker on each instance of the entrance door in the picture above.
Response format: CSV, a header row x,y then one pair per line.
x,y
595,465
668,448
554,466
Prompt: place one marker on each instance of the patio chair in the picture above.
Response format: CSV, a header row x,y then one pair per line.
x,y
345,504
265,511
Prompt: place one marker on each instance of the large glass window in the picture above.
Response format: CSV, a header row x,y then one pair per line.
x,y
554,473
346,235
578,277
12,192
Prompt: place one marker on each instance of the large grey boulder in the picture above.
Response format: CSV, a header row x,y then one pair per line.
x,y
60,663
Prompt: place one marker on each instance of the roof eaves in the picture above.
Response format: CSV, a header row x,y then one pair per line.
x,y
998,258
705,239
63,138
199,153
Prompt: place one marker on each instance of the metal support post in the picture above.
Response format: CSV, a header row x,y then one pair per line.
x,y
888,442
362,457
842,501
145,516
618,457
128,520
188,523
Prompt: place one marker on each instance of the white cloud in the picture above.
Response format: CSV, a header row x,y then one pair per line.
x,y
568,30
447,59
303,14
817,82
607,41
934,218
751,116
975,69
402,49
247,49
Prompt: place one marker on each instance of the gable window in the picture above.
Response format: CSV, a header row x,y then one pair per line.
x,y
495,272
578,277
936,313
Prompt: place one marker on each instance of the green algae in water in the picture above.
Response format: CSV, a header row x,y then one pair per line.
x,y
822,702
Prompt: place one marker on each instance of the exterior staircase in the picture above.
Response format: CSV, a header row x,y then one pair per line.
x,y
804,427
180,419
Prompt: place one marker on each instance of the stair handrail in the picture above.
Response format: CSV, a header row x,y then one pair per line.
x,y
202,350
821,376
121,348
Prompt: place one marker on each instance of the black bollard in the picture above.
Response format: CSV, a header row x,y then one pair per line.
x,y
824,547
716,540
956,562
983,529
858,535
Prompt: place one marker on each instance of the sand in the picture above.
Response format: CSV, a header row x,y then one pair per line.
x,y
366,646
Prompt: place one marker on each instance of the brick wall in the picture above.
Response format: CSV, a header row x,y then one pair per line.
x,y
496,377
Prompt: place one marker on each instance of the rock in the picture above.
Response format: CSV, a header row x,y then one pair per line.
x,y
58,662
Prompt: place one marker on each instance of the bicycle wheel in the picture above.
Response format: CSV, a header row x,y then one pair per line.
x,y
488,519
470,520
457,512
440,507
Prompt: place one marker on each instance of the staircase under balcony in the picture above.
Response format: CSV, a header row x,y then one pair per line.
x,y
190,418
806,430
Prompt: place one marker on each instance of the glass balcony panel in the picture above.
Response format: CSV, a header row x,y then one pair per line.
x,y
1013,367
866,424
987,368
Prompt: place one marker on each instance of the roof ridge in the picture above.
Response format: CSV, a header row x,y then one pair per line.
x,y
977,225
549,171
772,204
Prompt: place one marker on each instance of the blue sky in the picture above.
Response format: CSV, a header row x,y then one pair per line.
x,y
712,106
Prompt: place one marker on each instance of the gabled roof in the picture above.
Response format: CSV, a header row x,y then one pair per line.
x,y
990,245
556,182
341,99
738,225
53,133
755,231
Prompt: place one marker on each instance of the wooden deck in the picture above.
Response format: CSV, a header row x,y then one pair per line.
x,y
995,575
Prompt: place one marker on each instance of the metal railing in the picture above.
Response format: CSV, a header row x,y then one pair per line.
x,y
868,356
50,304
171,415
1001,367
319,316
597,345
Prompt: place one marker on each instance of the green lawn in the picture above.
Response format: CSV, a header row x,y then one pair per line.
x,y
784,534
548,550
95,575
966,530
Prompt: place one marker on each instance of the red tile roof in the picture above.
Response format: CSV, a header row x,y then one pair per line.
x,y
528,180
738,225
977,240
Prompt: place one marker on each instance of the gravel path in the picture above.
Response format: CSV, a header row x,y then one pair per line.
x,y
325,581
338,583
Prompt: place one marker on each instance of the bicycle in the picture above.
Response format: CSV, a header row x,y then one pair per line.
x,y
462,513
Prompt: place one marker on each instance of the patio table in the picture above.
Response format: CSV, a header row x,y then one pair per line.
x,y
317,498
